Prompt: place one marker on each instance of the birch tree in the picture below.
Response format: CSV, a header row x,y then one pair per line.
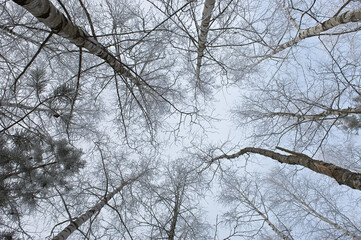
x,y
250,214
202,35
153,98
344,18
319,200
308,111
75,224
280,205
170,206
341,175
39,106
47,13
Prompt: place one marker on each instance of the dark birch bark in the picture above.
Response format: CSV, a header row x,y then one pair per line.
x,y
177,204
48,14
203,32
341,175
171,234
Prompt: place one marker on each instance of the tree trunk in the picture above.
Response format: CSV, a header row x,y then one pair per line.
x,y
48,14
341,175
203,31
320,116
88,214
171,234
347,17
177,204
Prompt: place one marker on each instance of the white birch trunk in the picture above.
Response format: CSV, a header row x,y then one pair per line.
x,y
347,17
332,113
48,14
88,214
203,31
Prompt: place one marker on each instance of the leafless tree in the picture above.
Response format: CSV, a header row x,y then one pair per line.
x,y
119,77
250,214
170,207
316,203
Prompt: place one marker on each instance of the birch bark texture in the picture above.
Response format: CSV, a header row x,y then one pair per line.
x,y
48,14
346,17
203,32
74,225
341,175
331,113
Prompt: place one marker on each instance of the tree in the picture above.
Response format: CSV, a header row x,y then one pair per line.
x,y
151,97
169,207
283,206
250,212
75,224
316,199
341,175
31,169
46,12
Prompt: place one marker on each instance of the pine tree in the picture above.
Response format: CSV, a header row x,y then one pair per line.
x,y
31,166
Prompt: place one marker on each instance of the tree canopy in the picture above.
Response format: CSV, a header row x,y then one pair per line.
x,y
173,119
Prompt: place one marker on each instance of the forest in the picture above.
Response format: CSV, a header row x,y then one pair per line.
x,y
180,119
